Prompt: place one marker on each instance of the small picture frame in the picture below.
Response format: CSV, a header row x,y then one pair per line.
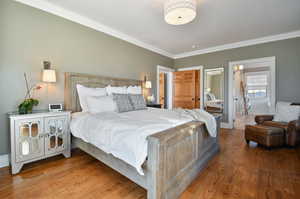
x,y
55,107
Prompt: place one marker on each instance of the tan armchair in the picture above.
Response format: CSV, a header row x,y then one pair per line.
x,y
292,128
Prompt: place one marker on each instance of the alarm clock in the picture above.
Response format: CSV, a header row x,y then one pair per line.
x,y
55,107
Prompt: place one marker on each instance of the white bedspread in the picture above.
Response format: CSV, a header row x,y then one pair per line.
x,y
124,134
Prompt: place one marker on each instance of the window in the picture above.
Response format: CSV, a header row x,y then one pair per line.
x,y
256,93
257,85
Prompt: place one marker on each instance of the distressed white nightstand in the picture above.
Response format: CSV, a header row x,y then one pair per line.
x,y
38,135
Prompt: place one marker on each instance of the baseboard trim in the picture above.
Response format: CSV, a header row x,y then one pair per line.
x,y
4,162
225,125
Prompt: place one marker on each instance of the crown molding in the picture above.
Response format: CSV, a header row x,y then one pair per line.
x,y
72,16
245,43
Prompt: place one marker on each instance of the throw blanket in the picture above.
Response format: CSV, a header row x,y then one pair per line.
x,y
202,116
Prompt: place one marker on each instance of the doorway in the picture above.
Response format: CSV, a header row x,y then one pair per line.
x,y
252,90
162,89
186,89
194,92
164,86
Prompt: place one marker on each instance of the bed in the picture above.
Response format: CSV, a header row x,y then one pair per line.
x,y
175,156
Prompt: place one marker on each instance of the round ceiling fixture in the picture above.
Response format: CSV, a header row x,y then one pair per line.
x,y
179,12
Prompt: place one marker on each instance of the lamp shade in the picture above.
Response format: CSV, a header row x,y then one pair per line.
x,y
148,84
49,76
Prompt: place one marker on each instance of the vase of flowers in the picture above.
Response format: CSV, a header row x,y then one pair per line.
x,y
28,103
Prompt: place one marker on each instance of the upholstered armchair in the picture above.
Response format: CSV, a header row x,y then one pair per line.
x,y
292,128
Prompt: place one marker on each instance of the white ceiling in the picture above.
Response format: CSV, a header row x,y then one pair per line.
x,y
218,22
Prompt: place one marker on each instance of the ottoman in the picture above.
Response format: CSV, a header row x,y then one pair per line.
x,y
267,136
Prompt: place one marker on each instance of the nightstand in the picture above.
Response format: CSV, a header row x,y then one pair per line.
x,y
154,105
37,136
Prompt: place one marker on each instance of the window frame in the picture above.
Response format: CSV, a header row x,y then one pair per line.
x,y
258,87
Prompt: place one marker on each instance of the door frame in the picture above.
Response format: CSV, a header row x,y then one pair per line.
x,y
200,68
269,61
169,72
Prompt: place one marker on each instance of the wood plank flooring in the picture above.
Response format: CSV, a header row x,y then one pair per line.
x,y
239,171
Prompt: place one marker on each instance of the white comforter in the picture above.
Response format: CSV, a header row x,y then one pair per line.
x,y
124,134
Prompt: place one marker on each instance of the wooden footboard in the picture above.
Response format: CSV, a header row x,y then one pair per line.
x,y
176,156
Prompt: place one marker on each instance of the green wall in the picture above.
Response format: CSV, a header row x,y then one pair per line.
x,y
287,53
28,36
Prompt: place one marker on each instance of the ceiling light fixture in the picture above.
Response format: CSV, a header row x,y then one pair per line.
x,y
179,12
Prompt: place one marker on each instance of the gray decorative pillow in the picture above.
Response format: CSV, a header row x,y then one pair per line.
x,y
123,102
138,101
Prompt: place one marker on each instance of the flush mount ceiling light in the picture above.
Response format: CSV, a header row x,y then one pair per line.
x,y
178,12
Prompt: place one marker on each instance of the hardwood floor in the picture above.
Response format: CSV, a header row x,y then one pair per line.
x,y
238,171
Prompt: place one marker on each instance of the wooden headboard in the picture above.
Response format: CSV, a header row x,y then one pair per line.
x,y
94,81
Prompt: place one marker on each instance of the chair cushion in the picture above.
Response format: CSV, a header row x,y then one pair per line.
x,y
283,125
285,112
265,135
264,130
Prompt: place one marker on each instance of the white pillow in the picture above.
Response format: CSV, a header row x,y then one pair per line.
x,y
116,89
137,90
84,92
285,112
101,104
